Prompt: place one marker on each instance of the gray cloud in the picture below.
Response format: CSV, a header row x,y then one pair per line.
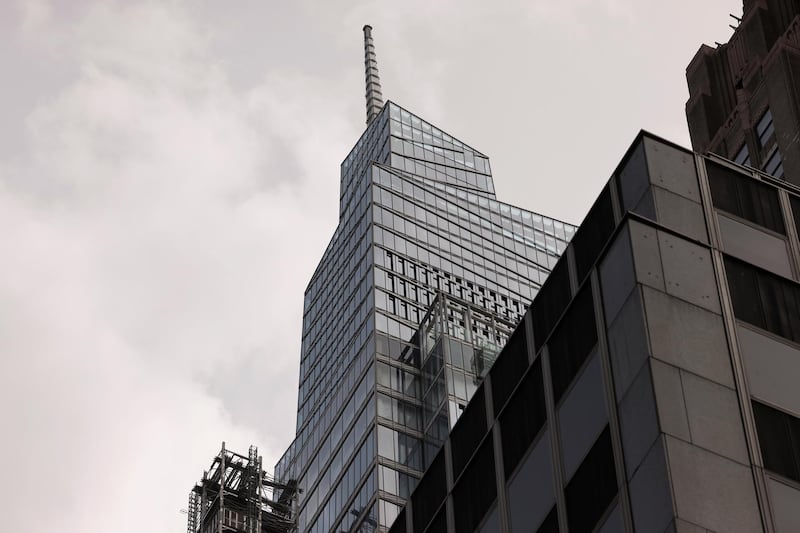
x,y
169,179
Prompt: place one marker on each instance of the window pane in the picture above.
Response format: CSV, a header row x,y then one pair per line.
x,y
572,342
550,524
592,488
779,438
745,197
795,201
593,233
475,492
523,418
430,494
763,299
468,432
509,367
552,299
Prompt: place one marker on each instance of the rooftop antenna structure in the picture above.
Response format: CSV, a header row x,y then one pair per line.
x,y
738,21
236,495
372,78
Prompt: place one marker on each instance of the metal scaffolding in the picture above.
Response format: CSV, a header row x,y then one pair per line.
x,y
237,495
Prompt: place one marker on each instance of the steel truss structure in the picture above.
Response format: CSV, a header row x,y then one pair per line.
x,y
237,495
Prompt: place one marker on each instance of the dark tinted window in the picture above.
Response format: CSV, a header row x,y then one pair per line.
x,y
523,418
763,299
509,367
795,201
551,301
745,197
633,178
430,493
593,233
550,524
779,437
572,341
439,524
468,432
475,492
399,525
592,487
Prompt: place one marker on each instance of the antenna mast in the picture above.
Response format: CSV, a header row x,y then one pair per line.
x,y
373,80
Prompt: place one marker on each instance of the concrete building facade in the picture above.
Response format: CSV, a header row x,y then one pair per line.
x,y
652,384
744,101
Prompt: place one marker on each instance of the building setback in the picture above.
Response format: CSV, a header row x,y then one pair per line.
x,y
652,384
418,218
744,101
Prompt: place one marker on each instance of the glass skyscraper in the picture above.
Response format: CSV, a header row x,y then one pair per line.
x,y
421,237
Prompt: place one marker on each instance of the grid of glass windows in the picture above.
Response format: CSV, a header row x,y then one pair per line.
x,y
425,151
458,343
337,348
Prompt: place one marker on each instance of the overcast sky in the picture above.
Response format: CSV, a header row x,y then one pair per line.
x,y
169,178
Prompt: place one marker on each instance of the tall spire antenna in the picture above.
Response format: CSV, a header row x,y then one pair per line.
x,y
373,80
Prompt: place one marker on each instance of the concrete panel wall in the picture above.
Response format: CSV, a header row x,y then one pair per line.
x,y
680,214
715,422
646,255
772,367
617,277
688,271
638,420
628,345
651,498
710,490
755,246
690,380
687,336
672,169
670,404
675,189
785,505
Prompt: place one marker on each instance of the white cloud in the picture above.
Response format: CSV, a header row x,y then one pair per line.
x,y
34,14
151,282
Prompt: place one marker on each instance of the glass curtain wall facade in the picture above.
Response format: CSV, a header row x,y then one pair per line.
x,y
418,217
458,343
